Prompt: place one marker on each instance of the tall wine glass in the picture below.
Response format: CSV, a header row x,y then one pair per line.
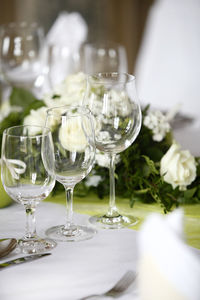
x,y
113,101
104,57
20,55
74,147
26,152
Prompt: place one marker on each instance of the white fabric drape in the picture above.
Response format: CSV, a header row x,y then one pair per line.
x,y
168,64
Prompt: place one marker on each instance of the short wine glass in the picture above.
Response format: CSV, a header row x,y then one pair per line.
x,y
26,151
113,100
74,146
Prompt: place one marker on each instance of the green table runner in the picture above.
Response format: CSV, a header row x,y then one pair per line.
x,y
92,205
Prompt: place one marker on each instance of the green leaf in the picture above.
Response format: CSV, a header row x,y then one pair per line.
x,y
21,97
134,199
13,119
142,191
34,105
190,193
155,153
55,96
151,164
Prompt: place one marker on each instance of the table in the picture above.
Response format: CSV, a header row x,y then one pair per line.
x,y
74,270
92,205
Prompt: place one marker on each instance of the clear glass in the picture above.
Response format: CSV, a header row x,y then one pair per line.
x,y
104,57
113,100
74,146
62,61
26,153
21,55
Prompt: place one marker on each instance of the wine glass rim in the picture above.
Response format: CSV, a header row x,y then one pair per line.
x,y
23,25
84,109
102,76
103,44
47,131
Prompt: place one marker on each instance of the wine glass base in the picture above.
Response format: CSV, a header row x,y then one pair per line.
x,y
74,234
36,245
116,222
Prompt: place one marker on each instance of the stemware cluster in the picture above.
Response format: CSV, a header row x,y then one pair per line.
x,y
33,158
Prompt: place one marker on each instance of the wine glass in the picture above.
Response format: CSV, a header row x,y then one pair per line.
x,y
74,146
112,98
26,152
21,55
104,57
62,61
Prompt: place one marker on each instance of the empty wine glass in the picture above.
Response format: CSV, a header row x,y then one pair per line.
x,y
113,101
74,147
104,57
62,61
20,55
26,153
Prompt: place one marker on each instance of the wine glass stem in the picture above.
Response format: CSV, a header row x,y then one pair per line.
x,y
30,222
69,206
112,211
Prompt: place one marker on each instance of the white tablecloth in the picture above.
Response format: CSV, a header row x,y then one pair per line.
x,y
74,270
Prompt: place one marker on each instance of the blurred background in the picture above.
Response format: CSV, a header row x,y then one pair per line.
x,y
115,20
160,37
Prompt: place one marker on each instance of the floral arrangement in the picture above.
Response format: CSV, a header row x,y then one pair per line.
x,y
153,169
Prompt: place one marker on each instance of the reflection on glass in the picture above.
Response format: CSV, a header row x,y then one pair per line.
x,y
104,57
113,101
26,152
74,146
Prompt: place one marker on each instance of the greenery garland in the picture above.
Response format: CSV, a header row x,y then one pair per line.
x,y
138,171
138,174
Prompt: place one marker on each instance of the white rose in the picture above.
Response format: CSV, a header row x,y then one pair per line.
x,y
71,135
103,159
36,117
158,123
93,180
70,91
178,167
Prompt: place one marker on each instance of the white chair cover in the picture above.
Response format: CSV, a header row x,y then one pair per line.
x,y
168,65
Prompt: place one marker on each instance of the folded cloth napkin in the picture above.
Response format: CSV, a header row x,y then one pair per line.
x,y
168,268
69,29
63,42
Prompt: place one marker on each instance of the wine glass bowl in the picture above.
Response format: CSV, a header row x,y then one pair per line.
x,y
74,146
20,54
25,178
62,61
103,57
112,98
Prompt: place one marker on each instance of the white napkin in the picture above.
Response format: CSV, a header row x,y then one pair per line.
x,y
168,268
63,43
69,29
